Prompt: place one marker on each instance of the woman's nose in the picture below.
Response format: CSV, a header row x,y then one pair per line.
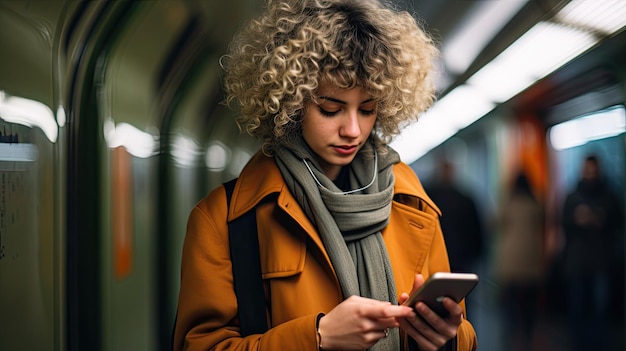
x,y
350,126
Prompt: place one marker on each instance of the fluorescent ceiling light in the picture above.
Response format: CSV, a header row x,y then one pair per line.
x,y
606,16
540,51
543,49
455,111
462,106
486,19
419,138
579,131
537,53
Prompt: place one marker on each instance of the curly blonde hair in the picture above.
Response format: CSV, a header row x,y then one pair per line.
x,y
276,62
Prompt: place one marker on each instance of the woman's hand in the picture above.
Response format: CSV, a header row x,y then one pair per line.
x,y
358,323
427,328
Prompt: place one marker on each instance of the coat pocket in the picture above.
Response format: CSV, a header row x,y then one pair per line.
x,y
283,252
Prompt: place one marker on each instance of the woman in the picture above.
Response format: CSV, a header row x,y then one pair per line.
x,y
519,262
349,230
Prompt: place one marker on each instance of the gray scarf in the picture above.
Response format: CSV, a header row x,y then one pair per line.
x,y
349,224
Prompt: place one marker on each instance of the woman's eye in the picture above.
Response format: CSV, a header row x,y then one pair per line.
x,y
332,113
328,113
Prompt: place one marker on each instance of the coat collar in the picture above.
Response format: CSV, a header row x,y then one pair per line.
x,y
261,178
258,179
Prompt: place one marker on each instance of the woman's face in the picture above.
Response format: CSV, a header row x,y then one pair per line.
x,y
338,125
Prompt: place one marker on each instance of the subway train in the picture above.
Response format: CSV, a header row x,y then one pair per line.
x,y
112,127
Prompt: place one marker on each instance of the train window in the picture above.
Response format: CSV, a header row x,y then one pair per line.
x,y
600,133
31,162
581,130
28,250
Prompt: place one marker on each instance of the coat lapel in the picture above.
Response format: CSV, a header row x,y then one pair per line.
x,y
408,238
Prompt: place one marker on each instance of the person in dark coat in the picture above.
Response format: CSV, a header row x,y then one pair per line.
x,y
592,220
460,221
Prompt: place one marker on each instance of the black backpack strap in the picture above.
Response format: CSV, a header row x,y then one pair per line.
x,y
246,261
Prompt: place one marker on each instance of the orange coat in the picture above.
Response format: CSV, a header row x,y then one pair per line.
x,y
300,281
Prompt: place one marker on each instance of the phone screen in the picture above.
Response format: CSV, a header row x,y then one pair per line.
x,y
439,285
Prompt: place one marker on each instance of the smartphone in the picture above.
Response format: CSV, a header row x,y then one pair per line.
x,y
442,284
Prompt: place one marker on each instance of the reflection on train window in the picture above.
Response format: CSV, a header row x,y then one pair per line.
x,y
27,112
217,156
137,142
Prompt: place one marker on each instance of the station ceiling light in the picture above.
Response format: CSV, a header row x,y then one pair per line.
x,y
544,48
485,20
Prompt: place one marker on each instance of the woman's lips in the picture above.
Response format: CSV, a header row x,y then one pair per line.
x,y
345,149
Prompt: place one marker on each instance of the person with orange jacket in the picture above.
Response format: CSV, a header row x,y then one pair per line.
x,y
345,229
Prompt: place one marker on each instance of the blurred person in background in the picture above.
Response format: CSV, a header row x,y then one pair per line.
x,y
592,220
461,224
460,221
518,262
